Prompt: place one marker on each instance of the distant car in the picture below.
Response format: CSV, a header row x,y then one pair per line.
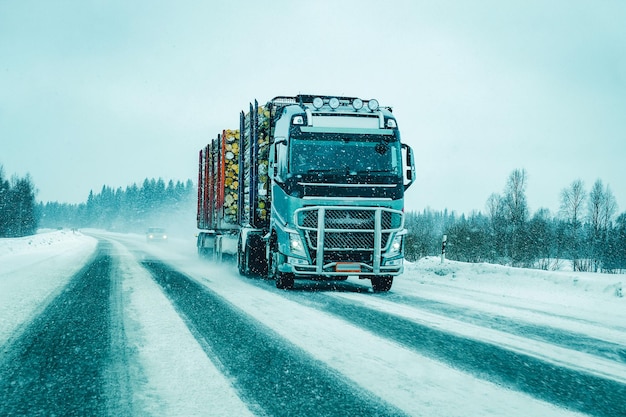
x,y
156,234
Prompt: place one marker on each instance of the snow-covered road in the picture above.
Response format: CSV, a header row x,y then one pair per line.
x,y
192,338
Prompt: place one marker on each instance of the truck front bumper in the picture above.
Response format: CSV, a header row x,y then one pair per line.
x,y
340,241
342,269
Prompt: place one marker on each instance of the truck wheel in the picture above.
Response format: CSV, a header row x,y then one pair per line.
x,y
242,261
255,259
382,283
284,281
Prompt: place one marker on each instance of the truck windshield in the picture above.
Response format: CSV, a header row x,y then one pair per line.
x,y
344,154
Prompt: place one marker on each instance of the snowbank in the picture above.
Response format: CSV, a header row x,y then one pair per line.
x,y
33,270
518,281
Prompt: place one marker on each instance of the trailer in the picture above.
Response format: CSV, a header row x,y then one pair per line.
x,y
308,187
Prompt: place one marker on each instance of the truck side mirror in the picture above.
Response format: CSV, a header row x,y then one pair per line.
x,y
409,165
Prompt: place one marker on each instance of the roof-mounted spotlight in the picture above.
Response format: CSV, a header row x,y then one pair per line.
x,y
318,102
357,103
372,104
333,103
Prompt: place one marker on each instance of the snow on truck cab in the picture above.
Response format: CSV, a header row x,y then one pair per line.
x,y
309,187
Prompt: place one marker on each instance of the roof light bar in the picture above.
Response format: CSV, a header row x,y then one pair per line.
x,y
335,102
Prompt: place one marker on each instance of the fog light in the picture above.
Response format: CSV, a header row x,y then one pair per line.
x,y
318,102
357,103
333,103
372,104
297,261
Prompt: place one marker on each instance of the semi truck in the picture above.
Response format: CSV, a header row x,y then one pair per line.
x,y
308,187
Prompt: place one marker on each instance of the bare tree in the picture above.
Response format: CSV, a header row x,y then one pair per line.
x,y
595,204
601,211
516,214
572,199
609,208
497,223
515,197
493,205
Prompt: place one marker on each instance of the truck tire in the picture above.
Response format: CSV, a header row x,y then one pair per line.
x,y
284,281
242,261
256,262
200,245
382,283
251,256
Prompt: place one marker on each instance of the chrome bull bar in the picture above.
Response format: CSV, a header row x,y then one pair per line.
x,y
333,234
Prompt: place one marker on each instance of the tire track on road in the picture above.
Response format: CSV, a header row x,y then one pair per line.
x,y
281,379
58,366
566,387
559,337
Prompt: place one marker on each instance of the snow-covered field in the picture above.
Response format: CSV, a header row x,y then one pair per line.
x,y
176,377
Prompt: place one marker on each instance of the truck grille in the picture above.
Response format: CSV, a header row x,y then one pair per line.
x,y
345,241
348,228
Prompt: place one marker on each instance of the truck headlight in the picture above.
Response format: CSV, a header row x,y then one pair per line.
x,y
396,245
295,244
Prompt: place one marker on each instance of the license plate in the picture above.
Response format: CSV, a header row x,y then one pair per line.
x,y
347,267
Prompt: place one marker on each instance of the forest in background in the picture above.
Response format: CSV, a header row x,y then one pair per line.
x,y
18,211
587,232
133,209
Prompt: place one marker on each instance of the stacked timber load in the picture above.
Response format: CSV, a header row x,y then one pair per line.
x,y
245,157
264,197
254,163
230,166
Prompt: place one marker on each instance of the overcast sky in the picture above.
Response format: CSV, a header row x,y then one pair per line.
x,y
113,92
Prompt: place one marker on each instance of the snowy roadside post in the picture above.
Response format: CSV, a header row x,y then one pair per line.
x,y
443,248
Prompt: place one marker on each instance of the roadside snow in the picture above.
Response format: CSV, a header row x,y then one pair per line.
x,y
553,287
33,270
588,303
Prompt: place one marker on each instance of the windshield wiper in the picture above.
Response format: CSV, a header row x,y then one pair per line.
x,y
375,171
328,170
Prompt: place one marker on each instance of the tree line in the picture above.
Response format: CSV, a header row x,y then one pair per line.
x,y
587,231
18,214
132,209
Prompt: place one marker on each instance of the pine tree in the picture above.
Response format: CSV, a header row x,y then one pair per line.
x,y
4,204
